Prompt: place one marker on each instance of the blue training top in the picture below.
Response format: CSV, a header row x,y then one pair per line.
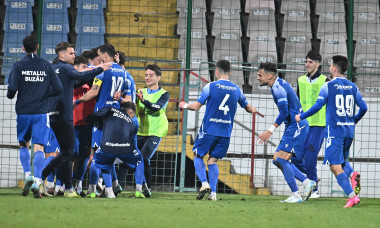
x,y
287,103
222,97
67,74
119,130
341,97
35,81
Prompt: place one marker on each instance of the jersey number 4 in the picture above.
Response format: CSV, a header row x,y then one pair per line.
x,y
344,105
117,83
223,107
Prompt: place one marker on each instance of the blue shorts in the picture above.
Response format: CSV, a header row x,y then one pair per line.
x,y
35,127
105,160
216,146
82,142
337,150
293,140
52,144
96,137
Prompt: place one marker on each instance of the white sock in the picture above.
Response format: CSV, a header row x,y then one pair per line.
x,y
109,191
71,190
115,183
38,181
139,187
50,184
27,174
352,195
57,187
306,182
91,188
213,194
79,186
296,194
204,184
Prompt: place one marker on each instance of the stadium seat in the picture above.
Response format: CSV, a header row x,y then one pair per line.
x,y
261,18
90,13
366,16
297,19
12,45
198,18
197,5
55,13
367,81
18,16
226,20
252,5
331,17
296,47
332,44
262,47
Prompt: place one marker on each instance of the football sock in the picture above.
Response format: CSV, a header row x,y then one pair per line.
x,y
299,163
27,174
204,184
296,194
213,174
49,184
139,174
113,172
38,161
107,177
70,190
297,173
344,183
139,187
347,168
91,188
50,178
306,182
57,187
25,159
115,183
94,174
288,174
82,167
200,169
79,186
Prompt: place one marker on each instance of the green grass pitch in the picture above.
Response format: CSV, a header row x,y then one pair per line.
x,y
171,209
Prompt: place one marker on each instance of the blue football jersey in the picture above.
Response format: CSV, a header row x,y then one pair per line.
x,y
131,91
287,103
111,81
341,97
222,97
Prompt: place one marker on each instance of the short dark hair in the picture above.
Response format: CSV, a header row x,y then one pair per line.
x,y
30,44
314,56
155,68
121,57
224,66
63,46
107,48
341,63
268,67
128,105
80,60
91,54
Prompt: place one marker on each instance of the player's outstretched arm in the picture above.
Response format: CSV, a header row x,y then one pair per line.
x,y
249,108
94,91
193,107
264,137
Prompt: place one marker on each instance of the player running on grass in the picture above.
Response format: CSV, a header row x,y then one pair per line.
x,y
294,136
341,97
214,135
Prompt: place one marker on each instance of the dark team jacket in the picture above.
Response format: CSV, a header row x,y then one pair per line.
x,y
118,130
68,74
36,82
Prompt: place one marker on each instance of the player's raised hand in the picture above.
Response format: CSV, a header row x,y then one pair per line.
x,y
298,118
139,95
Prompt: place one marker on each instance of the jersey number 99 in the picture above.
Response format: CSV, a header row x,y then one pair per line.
x,y
344,105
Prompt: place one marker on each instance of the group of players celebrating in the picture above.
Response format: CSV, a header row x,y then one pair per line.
x,y
129,125
102,95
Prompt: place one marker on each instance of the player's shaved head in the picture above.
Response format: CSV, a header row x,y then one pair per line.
x,y
223,66
341,63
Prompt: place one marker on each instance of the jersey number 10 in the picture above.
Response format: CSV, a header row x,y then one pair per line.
x,y
344,106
